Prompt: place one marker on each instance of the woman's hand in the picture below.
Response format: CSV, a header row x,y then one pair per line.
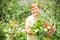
x,y
29,33
27,28
51,32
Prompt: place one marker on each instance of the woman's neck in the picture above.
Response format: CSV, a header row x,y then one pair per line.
x,y
35,17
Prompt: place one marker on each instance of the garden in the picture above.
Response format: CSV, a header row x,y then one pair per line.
x,y
13,15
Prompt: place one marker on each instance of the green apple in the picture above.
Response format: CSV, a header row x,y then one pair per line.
x,y
49,27
45,29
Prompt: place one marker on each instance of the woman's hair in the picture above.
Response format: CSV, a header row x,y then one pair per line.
x,y
34,4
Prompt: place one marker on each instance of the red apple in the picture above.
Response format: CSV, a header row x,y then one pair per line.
x,y
45,25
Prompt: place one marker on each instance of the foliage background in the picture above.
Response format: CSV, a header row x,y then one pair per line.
x,y
12,10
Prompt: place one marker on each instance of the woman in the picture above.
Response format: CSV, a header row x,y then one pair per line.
x,y
33,19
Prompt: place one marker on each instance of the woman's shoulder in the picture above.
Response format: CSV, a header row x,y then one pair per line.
x,y
29,17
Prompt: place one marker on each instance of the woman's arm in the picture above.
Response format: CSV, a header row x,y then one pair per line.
x,y
27,26
51,32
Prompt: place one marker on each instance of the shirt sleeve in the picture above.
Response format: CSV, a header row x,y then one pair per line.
x,y
28,22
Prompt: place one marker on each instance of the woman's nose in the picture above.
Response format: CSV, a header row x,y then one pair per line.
x,y
35,10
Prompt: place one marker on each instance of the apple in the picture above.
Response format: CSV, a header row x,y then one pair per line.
x,y
49,27
45,25
45,29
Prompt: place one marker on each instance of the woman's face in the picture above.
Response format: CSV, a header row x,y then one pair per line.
x,y
35,10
